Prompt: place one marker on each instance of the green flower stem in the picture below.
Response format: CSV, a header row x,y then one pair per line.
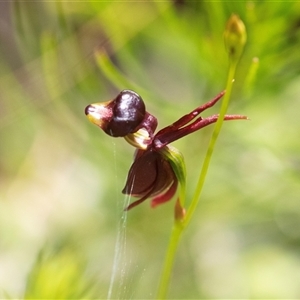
x,y
212,142
169,260
178,226
235,38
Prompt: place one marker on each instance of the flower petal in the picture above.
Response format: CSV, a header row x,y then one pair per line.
x,y
150,175
168,195
142,174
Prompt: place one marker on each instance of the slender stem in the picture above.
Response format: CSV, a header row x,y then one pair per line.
x,y
211,145
179,227
169,260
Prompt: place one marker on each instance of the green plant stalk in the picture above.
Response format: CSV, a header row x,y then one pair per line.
x,y
212,143
169,260
178,226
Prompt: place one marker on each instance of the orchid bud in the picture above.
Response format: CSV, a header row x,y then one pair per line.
x,y
235,37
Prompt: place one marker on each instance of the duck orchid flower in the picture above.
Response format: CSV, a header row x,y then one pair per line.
x,y
157,167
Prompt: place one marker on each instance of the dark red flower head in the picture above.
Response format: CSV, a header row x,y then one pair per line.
x,y
157,168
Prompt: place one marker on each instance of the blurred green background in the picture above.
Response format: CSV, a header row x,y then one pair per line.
x,y
61,220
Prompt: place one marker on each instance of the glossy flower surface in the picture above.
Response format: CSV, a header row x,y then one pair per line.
x,y
157,167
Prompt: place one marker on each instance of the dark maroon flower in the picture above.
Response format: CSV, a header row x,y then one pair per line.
x,y
157,167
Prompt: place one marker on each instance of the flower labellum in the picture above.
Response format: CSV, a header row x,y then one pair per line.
x,y
119,116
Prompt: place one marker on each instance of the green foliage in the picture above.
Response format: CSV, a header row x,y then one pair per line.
x,y
59,275
60,176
